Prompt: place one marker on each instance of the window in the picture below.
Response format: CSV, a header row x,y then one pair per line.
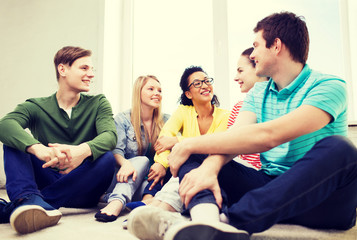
x,y
163,37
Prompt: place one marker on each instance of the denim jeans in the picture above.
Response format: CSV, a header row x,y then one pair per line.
x,y
81,188
319,191
124,191
158,185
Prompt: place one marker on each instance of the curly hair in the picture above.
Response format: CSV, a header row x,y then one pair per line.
x,y
184,86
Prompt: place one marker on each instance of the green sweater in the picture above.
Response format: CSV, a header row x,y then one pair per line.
x,y
91,122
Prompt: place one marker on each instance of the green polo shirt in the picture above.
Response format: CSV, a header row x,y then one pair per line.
x,y
91,122
323,91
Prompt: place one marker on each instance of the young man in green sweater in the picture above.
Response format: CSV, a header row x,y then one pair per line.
x,y
67,161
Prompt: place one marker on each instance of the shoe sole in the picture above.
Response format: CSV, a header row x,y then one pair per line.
x,y
204,231
31,218
146,222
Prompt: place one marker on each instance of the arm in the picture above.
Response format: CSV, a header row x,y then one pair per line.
x,y
164,143
68,157
13,134
192,182
245,138
236,141
170,129
125,139
104,140
107,137
12,127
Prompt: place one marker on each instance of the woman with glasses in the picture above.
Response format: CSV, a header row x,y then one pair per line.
x,y
138,129
197,114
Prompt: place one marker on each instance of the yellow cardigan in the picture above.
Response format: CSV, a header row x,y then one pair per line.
x,y
184,121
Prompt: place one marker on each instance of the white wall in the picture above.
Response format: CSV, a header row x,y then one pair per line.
x,y
325,53
348,9
32,31
168,36
159,37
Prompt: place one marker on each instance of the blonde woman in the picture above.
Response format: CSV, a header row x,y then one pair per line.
x,y
138,129
198,114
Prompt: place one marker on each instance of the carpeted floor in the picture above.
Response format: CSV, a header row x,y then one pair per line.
x,y
80,224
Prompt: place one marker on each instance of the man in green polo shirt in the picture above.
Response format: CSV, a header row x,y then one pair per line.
x,y
67,161
298,122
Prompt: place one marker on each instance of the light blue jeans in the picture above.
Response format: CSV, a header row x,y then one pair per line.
x,y
126,192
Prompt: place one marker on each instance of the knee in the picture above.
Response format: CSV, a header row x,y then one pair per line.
x,y
343,149
106,161
140,163
194,161
340,143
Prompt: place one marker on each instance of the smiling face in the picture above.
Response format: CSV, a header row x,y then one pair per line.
x,y
263,56
151,94
245,76
202,94
78,76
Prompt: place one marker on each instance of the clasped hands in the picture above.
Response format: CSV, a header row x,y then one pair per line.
x,y
63,157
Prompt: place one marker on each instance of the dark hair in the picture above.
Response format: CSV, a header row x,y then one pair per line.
x,y
184,86
290,29
69,54
247,53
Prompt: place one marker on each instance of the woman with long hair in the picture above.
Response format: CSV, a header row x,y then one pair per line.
x,y
246,78
138,129
197,114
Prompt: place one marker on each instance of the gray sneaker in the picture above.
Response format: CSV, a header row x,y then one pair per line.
x,y
33,214
204,231
151,223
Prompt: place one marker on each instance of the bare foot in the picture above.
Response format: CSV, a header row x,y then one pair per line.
x,y
113,208
147,199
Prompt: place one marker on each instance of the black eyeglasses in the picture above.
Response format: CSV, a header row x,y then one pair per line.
x,y
198,83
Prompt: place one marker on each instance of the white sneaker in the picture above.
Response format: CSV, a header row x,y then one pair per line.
x,y
204,231
151,223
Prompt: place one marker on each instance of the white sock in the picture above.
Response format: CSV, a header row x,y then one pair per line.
x,y
223,218
205,212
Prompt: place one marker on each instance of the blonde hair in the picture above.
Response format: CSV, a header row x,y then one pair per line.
x,y
157,118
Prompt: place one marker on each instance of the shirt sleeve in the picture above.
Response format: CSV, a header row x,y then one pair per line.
x,y
330,96
13,125
121,133
170,129
249,103
107,137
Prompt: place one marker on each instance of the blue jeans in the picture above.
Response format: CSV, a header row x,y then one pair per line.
x,y
81,188
319,191
158,185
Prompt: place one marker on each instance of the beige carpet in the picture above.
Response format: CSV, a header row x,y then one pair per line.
x,y
79,224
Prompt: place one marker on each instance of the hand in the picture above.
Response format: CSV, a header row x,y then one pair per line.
x,y
125,171
199,179
164,143
52,157
75,155
178,156
156,173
